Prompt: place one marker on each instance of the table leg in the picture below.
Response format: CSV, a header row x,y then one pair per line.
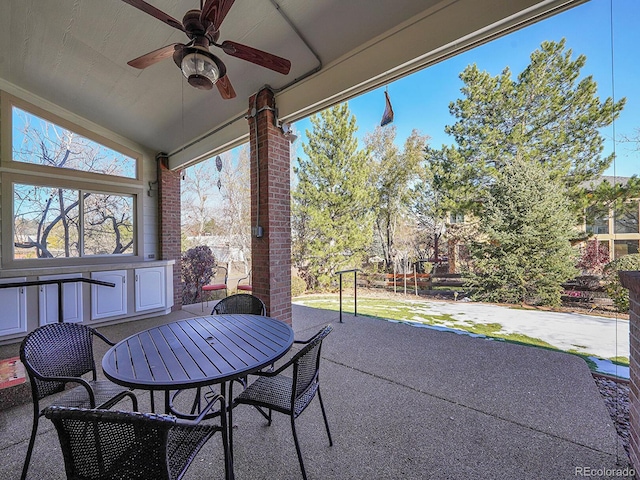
x,y
153,402
227,427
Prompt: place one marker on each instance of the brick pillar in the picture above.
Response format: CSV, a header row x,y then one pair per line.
x,y
270,208
169,222
631,281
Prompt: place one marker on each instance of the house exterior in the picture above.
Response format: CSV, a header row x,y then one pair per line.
x,y
618,231
78,203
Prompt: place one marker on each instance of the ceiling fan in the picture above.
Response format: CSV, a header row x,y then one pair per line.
x,y
201,68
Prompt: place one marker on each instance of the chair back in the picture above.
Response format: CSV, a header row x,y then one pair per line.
x,y
306,364
58,349
226,273
110,444
240,303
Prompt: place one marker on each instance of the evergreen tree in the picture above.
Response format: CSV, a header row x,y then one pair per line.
x,y
332,214
548,115
524,252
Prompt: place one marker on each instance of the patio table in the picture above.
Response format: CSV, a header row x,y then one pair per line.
x,y
198,352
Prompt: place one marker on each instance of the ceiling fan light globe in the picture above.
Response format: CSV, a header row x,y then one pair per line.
x,y
200,70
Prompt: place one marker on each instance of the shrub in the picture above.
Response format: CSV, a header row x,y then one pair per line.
x,y
593,258
613,287
198,265
298,286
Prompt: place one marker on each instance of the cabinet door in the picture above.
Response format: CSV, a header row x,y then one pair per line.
x,y
14,308
150,288
71,300
109,301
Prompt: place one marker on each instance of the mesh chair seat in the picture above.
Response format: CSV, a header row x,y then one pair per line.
x,y
106,395
114,445
290,395
60,353
275,393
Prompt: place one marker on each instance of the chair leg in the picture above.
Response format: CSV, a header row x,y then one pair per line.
x,y
196,402
324,415
295,440
32,441
134,401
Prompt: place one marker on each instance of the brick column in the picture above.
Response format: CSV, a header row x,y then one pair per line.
x,y
631,280
169,222
270,208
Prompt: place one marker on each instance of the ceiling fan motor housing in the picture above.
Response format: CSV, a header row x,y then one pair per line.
x,y
192,24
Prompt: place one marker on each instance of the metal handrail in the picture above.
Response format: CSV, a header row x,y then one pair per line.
x,y
355,290
58,282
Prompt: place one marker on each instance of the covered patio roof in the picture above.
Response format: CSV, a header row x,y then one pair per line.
x,y
73,56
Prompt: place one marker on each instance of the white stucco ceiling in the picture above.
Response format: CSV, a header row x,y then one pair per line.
x,y
74,54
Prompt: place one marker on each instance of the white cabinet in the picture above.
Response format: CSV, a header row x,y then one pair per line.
x,y
14,308
150,288
71,300
109,301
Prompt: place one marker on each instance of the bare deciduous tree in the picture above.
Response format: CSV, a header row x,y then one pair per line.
x,y
47,218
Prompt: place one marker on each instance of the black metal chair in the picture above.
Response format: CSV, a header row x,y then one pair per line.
x,y
114,445
246,287
240,303
214,287
61,353
290,395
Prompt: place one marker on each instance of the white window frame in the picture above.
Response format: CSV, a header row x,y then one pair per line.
x,y
31,174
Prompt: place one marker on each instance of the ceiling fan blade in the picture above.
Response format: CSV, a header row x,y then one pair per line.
x,y
154,12
253,55
225,88
214,11
153,57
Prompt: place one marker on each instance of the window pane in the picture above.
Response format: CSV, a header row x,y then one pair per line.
x,y
625,247
456,218
41,142
108,224
597,222
45,222
627,221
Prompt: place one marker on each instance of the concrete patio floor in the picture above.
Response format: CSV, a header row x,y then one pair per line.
x,y
402,402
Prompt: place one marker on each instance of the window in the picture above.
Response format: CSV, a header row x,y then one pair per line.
x,y
625,247
626,221
597,222
53,222
71,196
456,218
40,142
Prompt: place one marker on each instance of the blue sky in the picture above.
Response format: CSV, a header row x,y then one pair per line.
x,y
421,100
